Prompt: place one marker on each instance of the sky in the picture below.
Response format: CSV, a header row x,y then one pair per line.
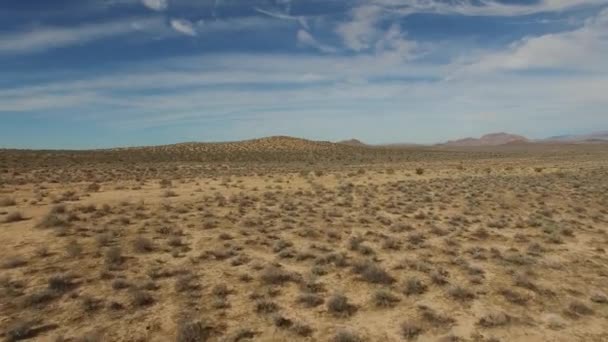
x,y
77,74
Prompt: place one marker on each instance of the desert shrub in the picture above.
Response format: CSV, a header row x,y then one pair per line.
x,y
372,273
141,298
60,283
410,330
265,306
310,299
275,276
460,293
302,329
93,187
15,216
494,319
281,321
52,220
385,299
438,277
220,290
142,244
186,282
339,306
433,317
195,331
39,298
7,202
13,262
346,336
120,284
414,286
21,330
576,308
103,239
73,249
114,256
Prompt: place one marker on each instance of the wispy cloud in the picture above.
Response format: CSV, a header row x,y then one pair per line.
x,y
306,39
277,15
156,5
482,8
46,38
183,26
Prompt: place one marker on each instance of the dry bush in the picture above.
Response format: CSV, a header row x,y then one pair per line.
x,y
15,216
339,306
193,331
310,300
460,293
414,286
494,319
372,273
7,202
273,275
13,262
142,244
410,330
347,336
385,299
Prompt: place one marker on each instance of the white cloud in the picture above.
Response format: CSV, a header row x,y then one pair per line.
x,y
360,32
582,49
47,38
300,19
156,5
482,8
306,39
183,26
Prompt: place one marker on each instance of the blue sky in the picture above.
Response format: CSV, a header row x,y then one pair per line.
x,y
102,73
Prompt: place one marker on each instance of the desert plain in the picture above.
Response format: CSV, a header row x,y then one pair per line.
x,y
283,239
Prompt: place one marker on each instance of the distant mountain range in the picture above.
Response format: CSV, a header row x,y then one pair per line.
x,y
593,137
497,139
493,139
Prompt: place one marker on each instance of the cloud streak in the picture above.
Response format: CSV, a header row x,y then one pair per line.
x,y
183,26
47,38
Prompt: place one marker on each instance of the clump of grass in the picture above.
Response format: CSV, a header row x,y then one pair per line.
x,y
13,262
414,286
410,330
275,276
114,256
265,306
143,245
339,306
193,331
310,300
15,216
494,319
460,293
7,202
302,329
60,283
347,336
141,298
578,308
385,299
73,249
21,330
373,273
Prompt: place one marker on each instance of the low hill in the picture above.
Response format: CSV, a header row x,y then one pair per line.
x,y
493,139
352,142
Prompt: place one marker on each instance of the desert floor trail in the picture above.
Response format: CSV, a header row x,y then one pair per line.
x,y
305,241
